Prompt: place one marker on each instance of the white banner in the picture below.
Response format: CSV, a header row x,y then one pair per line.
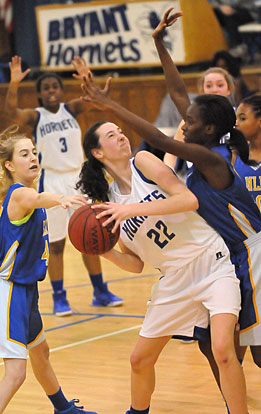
x,y
107,35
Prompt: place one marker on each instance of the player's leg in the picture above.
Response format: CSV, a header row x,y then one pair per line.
x,y
61,305
44,373
101,294
222,338
57,224
143,360
14,376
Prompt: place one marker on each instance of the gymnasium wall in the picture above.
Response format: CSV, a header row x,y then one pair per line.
x,y
141,94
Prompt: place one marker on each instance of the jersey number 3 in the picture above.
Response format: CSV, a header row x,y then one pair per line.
x,y
64,147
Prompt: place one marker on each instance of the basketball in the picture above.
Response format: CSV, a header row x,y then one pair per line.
x,y
87,233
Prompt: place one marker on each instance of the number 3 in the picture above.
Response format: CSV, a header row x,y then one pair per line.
x,y
64,145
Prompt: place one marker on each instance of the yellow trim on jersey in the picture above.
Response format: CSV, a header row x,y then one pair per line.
x,y
237,222
253,289
1,210
6,258
8,321
23,220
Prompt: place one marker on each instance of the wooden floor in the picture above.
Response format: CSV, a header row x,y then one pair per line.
x,y
90,353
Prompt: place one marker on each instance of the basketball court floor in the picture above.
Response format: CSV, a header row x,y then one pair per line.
x,y
90,352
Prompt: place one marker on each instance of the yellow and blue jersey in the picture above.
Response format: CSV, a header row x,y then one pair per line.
x,y
233,213
24,245
251,176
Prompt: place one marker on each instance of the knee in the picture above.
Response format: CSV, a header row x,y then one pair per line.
x,y
57,247
40,353
139,362
223,353
16,378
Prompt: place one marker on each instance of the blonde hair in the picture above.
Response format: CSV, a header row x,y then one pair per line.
x,y
8,139
228,78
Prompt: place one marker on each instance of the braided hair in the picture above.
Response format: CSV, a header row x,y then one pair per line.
x,y
216,110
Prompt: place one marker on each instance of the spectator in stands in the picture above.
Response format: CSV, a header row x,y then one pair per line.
x,y
231,14
225,60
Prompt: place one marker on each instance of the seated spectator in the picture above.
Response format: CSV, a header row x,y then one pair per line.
x,y
225,60
231,14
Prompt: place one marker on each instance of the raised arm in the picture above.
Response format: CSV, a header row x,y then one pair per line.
x,y
156,138
218,175
174,81
82,69
20,116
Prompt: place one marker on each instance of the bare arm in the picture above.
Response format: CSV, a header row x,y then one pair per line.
x,y
23,200
180,197
171,159
76,105
125,259
219,175
175,83
21,116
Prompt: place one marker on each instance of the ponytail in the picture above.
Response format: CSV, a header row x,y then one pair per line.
x,y
93,180
238,143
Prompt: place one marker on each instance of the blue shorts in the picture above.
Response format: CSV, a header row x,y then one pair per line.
x,y
21,326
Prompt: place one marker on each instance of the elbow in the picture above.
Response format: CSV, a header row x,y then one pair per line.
x,y
194,204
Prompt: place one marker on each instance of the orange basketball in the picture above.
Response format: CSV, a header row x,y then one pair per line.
x,y
87,233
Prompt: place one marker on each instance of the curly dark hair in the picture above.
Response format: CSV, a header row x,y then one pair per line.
x,y
92,177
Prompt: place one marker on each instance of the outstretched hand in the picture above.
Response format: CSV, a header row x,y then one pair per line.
x,y
116,212
166,21
70,201
17,75
93,94
81,67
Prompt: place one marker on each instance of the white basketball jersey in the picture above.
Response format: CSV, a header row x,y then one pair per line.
x,y
58,140
169,241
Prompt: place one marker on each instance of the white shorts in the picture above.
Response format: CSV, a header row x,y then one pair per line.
x,y
184,301
20,320
58,217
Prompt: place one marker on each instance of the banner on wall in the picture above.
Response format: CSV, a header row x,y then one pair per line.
x,y
106,34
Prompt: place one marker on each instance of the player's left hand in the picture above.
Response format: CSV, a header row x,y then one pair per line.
x,y
95,95
167,20
115,211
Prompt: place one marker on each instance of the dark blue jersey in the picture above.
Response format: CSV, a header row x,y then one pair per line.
x,y
24,245
231,212
235,216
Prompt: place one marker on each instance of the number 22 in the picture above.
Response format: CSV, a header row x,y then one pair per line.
x,y
156,235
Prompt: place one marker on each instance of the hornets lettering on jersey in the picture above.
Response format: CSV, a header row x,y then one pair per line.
x,y
131,225
51,127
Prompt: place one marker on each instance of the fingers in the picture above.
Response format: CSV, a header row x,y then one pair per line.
x,y
107,85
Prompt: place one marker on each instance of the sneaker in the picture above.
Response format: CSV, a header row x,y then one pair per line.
x,y
73,409
105,298
61,305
